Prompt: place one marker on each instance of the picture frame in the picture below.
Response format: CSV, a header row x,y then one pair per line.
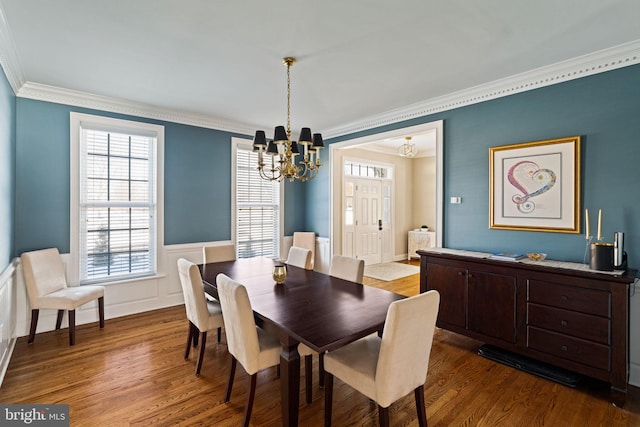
x,y
535,186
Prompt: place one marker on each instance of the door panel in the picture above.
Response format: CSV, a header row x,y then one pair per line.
x,y
367,230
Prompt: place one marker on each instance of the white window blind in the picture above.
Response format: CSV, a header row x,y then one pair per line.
x,y
257,208
117,204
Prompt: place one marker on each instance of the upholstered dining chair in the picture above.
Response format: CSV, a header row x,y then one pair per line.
x,y
347,268
299,257
47,288
306,240
218,253
254,348
388,368
203,315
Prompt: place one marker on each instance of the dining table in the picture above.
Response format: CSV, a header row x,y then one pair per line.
x,y
310,307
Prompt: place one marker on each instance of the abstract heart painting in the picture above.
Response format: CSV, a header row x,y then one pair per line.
x,y
535,186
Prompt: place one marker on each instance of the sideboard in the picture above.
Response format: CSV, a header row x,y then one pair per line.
x,y
558,313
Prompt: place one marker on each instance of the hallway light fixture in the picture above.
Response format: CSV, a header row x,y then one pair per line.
x,y
283,150
408,149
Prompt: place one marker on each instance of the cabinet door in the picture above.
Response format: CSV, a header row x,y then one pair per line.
x,y
450,282
492,305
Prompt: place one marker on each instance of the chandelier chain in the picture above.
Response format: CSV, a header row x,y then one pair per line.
x,y
289,100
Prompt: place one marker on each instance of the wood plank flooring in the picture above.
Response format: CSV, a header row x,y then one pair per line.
x,y
133,373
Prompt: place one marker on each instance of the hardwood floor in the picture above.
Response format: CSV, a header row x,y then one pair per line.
x,y
133,373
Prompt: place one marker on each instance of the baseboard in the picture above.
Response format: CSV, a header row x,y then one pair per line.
x,y
6,358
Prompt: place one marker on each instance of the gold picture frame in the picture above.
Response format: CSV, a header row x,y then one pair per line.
x,y
535,186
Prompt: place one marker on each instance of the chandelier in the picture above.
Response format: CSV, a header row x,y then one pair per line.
x,y
408,149
283,151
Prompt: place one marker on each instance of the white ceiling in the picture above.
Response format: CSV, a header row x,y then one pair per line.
x,y
356,59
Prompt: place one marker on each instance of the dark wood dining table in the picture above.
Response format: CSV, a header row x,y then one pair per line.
x,y
310,307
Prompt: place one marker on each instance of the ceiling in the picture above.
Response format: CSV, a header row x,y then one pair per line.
x,y
356,59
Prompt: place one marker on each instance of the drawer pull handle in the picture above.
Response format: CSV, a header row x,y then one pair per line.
x,y
565,298
564,348
564,323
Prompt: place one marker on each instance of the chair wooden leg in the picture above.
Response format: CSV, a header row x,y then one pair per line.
x,y
308,379
72,327
383,416
101,311
321,370
422,414
59,319
232,373
328,398
189,338
203,337
252,395
34,325
219,334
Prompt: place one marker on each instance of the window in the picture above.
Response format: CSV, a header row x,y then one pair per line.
x,y
115,209
257,206
352,168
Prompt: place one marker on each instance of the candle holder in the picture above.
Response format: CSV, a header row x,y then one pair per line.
x,y
586,259
279,274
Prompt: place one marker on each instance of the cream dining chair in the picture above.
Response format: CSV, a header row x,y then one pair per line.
x,y
203,315
388,368
306,240
218,253
299,257
47,288
347,268
254,348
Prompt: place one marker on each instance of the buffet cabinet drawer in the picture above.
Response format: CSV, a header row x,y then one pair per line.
x,y
567,322
570,348
583,300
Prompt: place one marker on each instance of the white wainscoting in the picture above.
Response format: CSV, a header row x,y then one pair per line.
x,y
7,316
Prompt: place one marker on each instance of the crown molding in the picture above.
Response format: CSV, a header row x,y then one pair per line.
x,y
8,57
75,98
598,62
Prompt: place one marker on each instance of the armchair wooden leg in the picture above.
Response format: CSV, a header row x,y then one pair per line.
x,y
219,334
59,319
232,373
252,395
101,311
34,325
328,398
308,379
422,414
72,327
383,416
189,339
203,337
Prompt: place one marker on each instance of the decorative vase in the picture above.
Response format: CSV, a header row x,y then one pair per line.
x,y
279,274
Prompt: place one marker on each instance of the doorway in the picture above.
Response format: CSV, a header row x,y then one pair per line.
x,y
398,204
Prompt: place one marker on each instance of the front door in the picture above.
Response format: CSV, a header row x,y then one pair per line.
x,y
368,220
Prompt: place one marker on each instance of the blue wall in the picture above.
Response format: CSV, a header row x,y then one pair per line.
x,y
7,169
197,193
604,109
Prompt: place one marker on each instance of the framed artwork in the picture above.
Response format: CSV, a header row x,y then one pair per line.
x,y
535,186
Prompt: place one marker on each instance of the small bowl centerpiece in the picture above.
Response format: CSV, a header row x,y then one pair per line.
x,y
536,256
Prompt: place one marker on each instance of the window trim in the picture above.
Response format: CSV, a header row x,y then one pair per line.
x,y
115,125
235,142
